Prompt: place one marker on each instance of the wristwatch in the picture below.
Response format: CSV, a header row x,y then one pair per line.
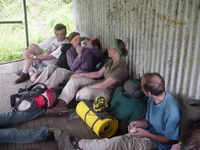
x,y
34,57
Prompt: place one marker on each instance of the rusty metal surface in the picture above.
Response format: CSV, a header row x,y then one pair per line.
x,y
161,36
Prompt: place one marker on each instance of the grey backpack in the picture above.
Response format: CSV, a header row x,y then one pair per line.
x,y
133,88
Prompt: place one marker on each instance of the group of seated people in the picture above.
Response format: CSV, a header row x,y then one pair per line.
x,y
160,128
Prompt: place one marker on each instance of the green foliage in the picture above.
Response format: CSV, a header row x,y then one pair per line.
x,y
67,1
42,17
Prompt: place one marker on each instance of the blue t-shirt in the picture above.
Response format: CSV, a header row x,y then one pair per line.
x,y
164,119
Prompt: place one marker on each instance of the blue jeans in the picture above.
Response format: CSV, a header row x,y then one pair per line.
x,y
19,136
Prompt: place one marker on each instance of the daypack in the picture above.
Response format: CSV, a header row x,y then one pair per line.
x,y
129,105
62,60
28,99
132,88
190,118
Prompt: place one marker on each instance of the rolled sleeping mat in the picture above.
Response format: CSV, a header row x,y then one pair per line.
x,y
102,123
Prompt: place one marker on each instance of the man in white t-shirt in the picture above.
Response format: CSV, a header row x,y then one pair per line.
x,y
37,61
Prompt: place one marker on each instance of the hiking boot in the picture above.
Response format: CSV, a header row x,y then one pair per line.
x,y
74,141
61,105
23,77
60,109
19,72
56,113
50,135
63,140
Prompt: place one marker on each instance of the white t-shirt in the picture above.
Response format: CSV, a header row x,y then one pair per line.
x,y
57,52
53,47
51,44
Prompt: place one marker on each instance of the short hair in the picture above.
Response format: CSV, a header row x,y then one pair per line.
x,y
60,26
150,85
191,140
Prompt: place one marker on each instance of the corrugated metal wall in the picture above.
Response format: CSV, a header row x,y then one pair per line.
x,y
161,36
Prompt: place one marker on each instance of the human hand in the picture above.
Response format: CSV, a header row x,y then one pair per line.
x,y
88,44
79,50
141,133
77,75
133,129
134,124
28,55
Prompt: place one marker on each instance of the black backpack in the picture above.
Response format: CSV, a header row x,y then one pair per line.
x,y
28,99
62,60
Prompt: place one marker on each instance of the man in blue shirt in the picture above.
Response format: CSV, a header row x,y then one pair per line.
x,y
159,130
163,113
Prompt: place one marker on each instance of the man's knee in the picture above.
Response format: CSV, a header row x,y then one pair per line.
x,y
35,49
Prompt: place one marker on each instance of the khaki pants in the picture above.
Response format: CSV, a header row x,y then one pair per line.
x,y
125,142
78,87
52,76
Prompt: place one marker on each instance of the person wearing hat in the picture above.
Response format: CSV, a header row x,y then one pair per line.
x,y
85,87
37,61
80,59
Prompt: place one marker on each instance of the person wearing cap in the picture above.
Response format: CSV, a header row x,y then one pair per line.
x,y
36,61
79,59
85,87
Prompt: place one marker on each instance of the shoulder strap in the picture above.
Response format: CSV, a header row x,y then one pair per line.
x,y
101,115
33,85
